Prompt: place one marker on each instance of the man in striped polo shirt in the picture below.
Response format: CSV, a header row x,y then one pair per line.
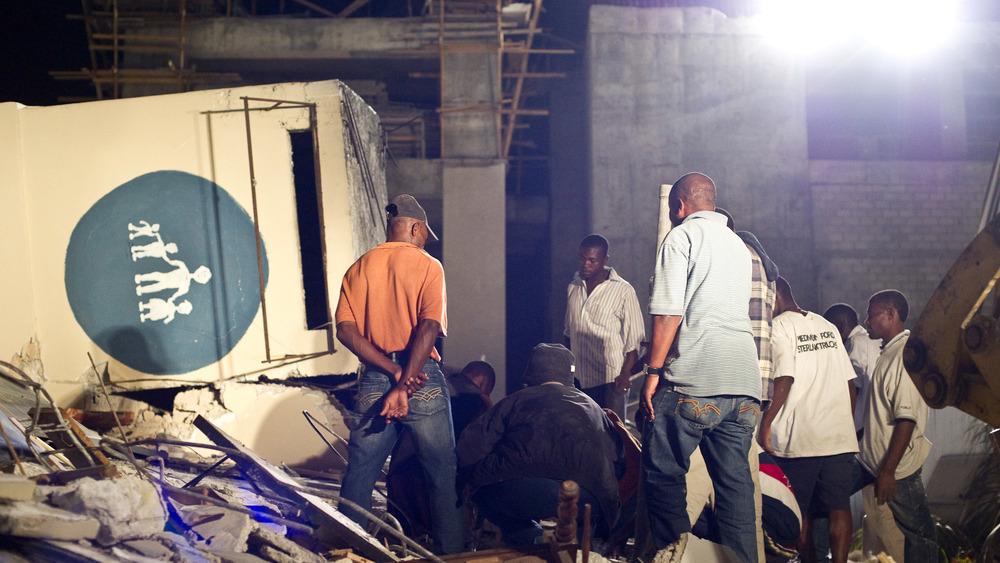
x,y
604,327
709,393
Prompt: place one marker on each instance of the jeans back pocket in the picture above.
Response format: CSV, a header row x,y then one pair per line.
x,y
699,412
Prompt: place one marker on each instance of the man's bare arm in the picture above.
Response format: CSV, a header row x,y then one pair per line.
x,y
624,380
397,403
885,481
349,335
782,385
664,331
424,336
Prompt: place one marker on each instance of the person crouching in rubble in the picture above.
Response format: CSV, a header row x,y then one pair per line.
x,y
517,455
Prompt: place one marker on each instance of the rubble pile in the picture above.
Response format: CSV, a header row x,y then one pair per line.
x,y
68,493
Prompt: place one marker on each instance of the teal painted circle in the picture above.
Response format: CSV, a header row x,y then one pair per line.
x,y
161,273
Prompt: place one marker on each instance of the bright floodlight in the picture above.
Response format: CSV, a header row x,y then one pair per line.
x,y
903,27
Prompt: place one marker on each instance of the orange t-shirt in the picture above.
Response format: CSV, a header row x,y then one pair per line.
x,y
389,290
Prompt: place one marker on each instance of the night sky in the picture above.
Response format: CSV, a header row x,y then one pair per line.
x,y
39,38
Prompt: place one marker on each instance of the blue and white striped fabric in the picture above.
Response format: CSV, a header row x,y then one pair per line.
x,y
602,327
702,273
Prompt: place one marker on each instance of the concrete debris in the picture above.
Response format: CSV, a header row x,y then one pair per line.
x,y
240,558
150,549
183,551
29,360
274,547
187,405
127,508
34,520
217,528
177,500
276,555
14,487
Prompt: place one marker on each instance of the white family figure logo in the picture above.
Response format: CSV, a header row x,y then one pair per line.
x,y
178,280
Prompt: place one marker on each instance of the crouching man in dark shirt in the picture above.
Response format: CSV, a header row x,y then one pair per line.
x,y
516,456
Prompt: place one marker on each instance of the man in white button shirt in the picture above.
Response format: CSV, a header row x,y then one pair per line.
x,y
604,327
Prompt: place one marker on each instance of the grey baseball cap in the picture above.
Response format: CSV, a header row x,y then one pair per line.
x,y
405,205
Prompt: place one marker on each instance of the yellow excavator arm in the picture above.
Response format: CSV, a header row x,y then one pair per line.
x,y
953,353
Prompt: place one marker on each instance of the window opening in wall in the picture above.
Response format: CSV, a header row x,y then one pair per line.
x,y
310,230
305,167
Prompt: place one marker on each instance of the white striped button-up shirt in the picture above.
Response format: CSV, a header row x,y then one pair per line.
x,y
602,327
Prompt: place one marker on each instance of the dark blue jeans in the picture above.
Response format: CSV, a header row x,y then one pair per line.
x,y
723,426
372,440
516,505
911,513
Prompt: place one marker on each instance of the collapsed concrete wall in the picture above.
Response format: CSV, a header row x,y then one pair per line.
x,y
131,226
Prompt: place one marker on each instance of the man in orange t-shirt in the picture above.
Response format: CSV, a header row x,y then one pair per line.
x,y
392,308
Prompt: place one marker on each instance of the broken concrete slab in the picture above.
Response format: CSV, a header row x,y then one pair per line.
x,y
183,550
127,508
217,528
34,520
239,558
273,547
150,549
15,487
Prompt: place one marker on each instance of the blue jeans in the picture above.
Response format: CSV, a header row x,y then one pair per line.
x,y
372,440
911,513
516,505
723,426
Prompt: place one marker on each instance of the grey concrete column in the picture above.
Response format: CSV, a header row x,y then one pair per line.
x,y
474,212
474,253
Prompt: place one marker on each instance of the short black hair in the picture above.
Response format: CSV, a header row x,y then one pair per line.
x,y
595,241
841,313
781,286
892,298
479,368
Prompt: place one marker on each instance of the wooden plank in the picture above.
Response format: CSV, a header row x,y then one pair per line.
x,y
353,7
316,8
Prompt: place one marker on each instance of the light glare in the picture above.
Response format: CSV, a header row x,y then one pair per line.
x,y
901,27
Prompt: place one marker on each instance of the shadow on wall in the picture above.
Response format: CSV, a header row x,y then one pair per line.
x,y
132,346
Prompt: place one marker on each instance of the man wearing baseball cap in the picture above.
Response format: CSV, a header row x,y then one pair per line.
x,y
392,308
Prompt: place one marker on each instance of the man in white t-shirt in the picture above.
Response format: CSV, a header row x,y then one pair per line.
x,y
809,427
893,448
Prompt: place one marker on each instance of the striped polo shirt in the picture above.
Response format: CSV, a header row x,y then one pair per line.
x,y
602,327
702,274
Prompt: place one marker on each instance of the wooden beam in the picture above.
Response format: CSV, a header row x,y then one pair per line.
x,y
316,8
526,51
353,7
